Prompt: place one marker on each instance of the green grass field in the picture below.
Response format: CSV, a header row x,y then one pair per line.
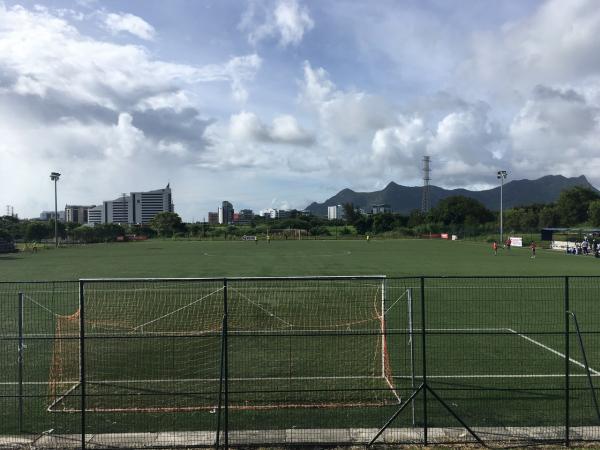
x,y
165,258
302,354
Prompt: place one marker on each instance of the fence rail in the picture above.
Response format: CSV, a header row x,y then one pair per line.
x,y
222,362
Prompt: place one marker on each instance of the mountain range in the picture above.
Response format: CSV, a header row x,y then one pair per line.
x,y
404,199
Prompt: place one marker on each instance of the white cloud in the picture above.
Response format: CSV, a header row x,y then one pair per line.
x,y
173,100
558,43
125,22
285,129
464,145
403,143
286,21
239,70
97,110
344,115
557,131
53,55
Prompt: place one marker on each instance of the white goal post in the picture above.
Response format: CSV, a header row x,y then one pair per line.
x,y
164,338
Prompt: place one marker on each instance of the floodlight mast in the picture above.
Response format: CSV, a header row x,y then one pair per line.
x,y
502,174
54,176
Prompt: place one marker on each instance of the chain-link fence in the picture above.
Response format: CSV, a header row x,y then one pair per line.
x,y
129,363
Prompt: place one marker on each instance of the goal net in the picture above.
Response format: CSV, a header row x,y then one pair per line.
x,y
171,345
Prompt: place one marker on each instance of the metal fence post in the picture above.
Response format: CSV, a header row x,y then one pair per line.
x,y
21,348
82,359
226,364
567,368
424,361
221,382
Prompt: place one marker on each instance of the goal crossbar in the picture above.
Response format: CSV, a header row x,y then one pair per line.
x,y
123,312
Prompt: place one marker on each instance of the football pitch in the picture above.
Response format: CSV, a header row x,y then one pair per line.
x,y
166,258
304,354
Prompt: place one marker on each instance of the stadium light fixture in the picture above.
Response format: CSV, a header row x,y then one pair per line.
x,y
502,174
54,176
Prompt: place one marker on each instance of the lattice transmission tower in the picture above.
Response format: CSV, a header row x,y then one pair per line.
x,y
426,199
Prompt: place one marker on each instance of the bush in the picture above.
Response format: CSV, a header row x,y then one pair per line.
x,y
319,231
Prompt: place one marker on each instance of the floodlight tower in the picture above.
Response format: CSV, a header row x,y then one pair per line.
x,y
54,176
425,198
501,176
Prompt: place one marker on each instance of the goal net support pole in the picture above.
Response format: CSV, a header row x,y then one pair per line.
x,y
20,351
412,348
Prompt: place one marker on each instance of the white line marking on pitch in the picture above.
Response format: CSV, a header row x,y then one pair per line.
x,y
197,380
545,347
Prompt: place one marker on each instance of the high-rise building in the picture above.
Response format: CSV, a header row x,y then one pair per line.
x,y
136,208
335,212
226,213
96,215
213,218
77,213
245,217
49,215
146,205
381,209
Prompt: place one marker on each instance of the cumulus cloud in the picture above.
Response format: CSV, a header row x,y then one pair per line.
x,y
556,44
48,53
406,142
463,144
246,126
556,131
343,114
284,20
98,110
281,147
128,23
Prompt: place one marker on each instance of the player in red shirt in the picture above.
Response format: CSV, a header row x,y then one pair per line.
x,y
495,248
532,246
507,244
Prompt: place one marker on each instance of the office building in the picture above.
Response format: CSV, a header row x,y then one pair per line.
x,y
381,209
226,213
213,218
136,208
244,217
49,215
96,215
77,213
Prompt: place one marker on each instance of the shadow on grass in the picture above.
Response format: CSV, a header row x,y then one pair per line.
x,y
9,257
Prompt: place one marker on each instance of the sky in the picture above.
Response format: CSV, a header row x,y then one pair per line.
x,y
278,103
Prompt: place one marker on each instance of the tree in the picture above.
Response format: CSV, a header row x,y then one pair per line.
x,y
460,210
109,231
85,234
5,235
594,213
166,223
36,231
61,228
12,226
383,222
415,218
549,217
351,214
363,225
573,205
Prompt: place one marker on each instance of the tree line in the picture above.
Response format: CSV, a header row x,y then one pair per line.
x,y
576,206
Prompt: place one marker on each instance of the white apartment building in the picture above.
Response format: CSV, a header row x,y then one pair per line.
x,y
135,208
335,212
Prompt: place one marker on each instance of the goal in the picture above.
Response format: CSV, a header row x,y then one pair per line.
x,y
171,345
